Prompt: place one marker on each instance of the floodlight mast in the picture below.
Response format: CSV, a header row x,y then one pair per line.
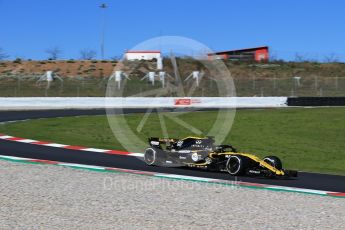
x,y
103,6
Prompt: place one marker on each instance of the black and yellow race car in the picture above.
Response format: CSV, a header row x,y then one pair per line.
x,y
203,153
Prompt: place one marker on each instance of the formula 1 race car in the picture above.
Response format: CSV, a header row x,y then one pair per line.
x,y
203,153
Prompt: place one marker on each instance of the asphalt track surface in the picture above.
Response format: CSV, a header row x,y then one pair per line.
x,y
304,180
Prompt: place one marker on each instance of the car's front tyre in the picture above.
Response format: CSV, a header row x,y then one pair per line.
x,y
274,161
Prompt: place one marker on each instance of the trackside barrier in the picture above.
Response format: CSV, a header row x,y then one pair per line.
x,y
316,101
32,103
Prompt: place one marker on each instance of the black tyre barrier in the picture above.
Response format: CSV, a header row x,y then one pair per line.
x,y
316,101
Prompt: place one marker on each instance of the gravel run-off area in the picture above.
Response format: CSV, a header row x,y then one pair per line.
x,y
53,197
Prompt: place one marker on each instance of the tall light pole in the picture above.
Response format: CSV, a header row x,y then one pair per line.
x,y
103,6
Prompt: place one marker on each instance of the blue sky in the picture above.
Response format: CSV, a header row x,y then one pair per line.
x,y
312,28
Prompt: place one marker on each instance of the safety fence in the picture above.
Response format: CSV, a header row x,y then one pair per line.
x,y
245,86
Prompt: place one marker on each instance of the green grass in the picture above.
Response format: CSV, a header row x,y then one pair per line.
x,y
305,139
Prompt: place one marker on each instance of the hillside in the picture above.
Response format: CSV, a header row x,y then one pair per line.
x,y
89,78
69,68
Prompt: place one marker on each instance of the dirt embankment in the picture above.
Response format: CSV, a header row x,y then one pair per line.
x,y
239,70
63,68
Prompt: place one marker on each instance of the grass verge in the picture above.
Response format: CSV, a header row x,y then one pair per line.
x,y
305,139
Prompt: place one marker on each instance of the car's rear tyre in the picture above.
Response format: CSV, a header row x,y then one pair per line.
x,y
236,165
153,156
274,161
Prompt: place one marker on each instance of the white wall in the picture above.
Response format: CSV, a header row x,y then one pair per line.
x,y
142,56
27,103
